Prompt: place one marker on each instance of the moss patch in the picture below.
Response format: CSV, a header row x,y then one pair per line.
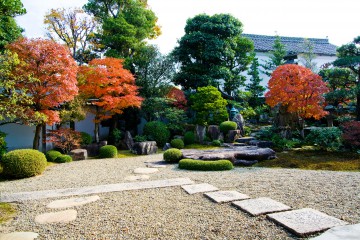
x,y
314,160
200,147
7,211
125,154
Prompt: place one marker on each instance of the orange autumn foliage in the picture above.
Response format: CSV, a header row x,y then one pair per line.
x,y
111,85
178,97
298,89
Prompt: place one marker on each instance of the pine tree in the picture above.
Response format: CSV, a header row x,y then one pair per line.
x,y
277,57
254,86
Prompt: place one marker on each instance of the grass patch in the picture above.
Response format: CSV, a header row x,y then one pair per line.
x,y
200,147
7,211
314,160
126,154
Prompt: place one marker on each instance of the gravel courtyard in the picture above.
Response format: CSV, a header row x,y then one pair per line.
x,y
171,213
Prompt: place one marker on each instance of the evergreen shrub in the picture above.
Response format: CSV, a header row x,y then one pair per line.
x,y
63,159
51,155
177,143
172,155
157,131
108,151
86,138
189,138
218,165
226,126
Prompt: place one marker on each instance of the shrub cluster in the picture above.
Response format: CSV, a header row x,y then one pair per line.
x,y
86,138
189,138
157,131
200,165
63,159
177,143
226,126
140,138
108,151
23,163
326,138
216,143
172,155
51,155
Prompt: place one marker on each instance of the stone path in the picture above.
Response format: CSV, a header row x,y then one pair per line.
x,y
57,217
261,206
348,232
226,196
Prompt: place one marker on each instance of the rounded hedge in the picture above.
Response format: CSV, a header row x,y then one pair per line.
x,y
189,138
200,165
172,155
108,151
158,132
216,143
23,163
226,126
63,159
52,155
177,143
86,138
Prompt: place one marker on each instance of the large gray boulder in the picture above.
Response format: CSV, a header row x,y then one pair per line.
x,y
214,132
233,135
79,154
128,140
238,118
144,148
200,133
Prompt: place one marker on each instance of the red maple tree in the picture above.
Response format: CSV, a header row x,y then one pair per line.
x,y
178,97
48,75
111,87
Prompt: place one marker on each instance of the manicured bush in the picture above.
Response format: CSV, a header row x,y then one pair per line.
x,y
216,143
189,138
157,131
140,138
63,159
226,126
23,163
108,151
51,155
326,138
200,165
177,143
86,138
172,155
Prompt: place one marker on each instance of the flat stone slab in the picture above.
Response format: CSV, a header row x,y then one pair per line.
x,y
306,221
57,217
226,196
156,165
72,202
137,177
199,188
23,196
348,232
145,170
19,236
260,206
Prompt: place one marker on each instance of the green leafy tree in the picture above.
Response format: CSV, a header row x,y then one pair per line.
x,y
210,107
9,30
276,58
349,57
254,86
211,51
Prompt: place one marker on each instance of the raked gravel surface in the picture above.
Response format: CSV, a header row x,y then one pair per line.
x,y
171,213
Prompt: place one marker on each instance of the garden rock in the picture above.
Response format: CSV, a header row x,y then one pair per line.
x,y
79,154
129,142
166,146
93,149
245,139
200,133
233,135
238,118
261,144
214,132
239,162
144,148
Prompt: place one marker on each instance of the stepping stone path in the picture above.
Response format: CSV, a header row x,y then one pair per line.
x,y
72,202
226,196
260,206
306,221
19,236
199,188
145,170
138,177
57,217
349,232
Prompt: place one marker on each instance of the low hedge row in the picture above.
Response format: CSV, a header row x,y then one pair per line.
x,y
218,165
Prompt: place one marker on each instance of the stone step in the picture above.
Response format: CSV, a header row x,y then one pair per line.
x,y
19,236
348,232
245,139
199,188
260,206
226,196
72,202
57,217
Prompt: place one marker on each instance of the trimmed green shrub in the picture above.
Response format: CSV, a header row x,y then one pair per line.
x,y
86,138
216,143
52,155
189,138
326,138
226,126
108,151
157,131
140,138
23,163
172,155
63,159
177,143
200,165
3,144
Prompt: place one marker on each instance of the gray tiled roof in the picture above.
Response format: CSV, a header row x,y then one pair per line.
x,y
263,43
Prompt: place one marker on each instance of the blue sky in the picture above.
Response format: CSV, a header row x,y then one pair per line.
x,y
337,20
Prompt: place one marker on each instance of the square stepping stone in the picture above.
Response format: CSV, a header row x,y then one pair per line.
x,y
226,196
19,236
261,206
72,202
145,170
348,232
199,188
57,217
306,221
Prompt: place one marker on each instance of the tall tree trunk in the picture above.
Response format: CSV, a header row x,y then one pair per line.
x,y
37,136
43,137
96,132
72,125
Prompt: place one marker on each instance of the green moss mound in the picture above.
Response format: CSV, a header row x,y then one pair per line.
x,y
226,126
86,138
7,211
108,151
177,143
23,163
63,159
189,138
52,155
158,132
216,143
199,165
172,155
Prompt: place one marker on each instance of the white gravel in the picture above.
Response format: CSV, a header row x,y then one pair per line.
x,y
171,213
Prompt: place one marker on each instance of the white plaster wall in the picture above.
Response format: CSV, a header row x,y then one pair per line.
x,y
88,126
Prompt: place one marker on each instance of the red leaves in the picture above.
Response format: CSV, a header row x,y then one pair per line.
x,y
179,98
112,85
299,89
